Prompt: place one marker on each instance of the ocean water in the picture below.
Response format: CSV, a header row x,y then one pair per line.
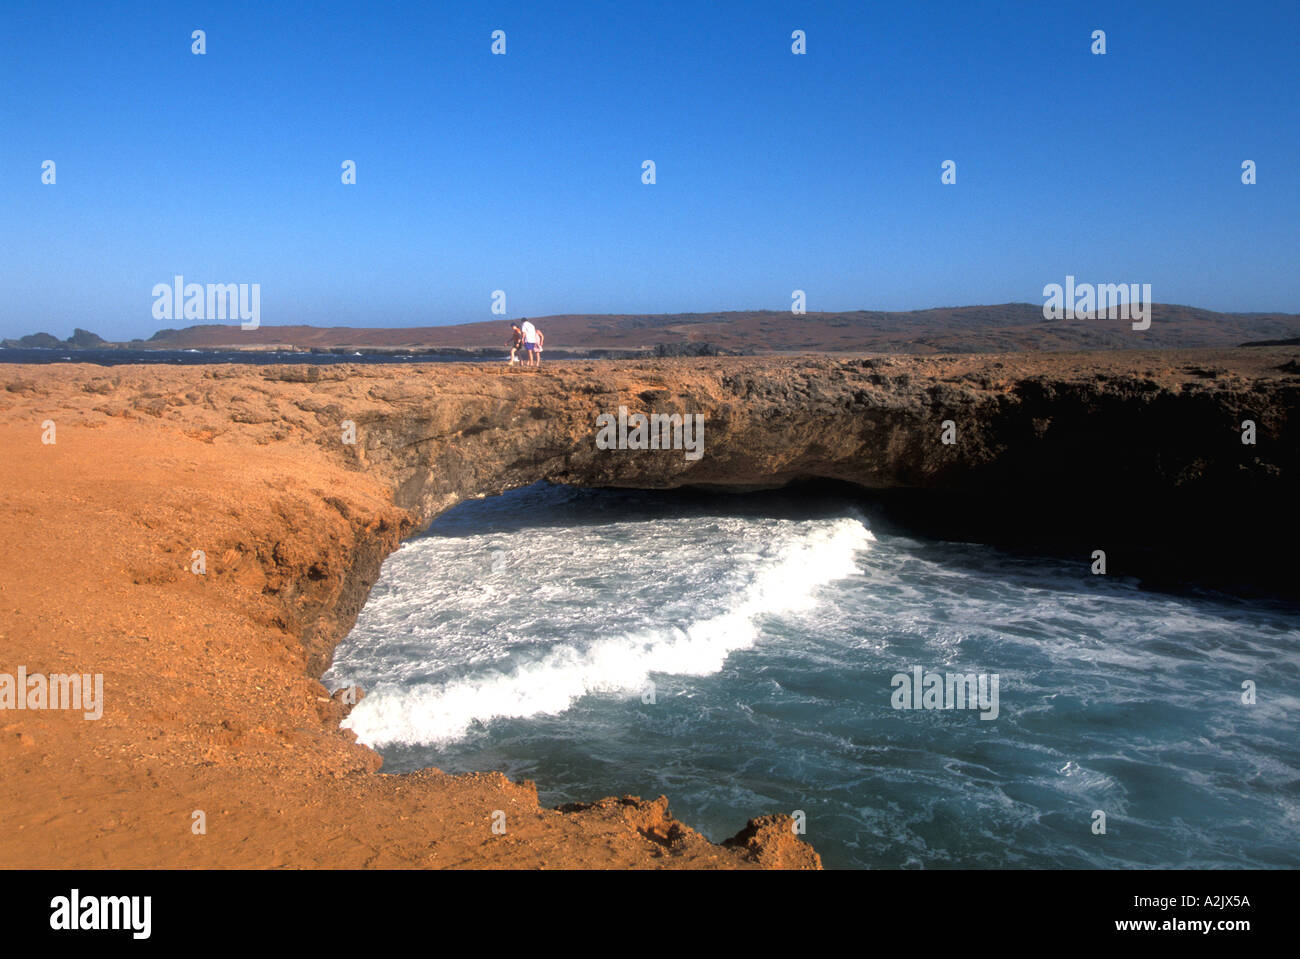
x,y
523,633
121,357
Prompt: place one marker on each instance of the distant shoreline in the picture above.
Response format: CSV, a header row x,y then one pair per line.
x,y
119,355
1004,328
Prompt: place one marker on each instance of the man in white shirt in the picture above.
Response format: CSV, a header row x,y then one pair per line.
x,y
532,344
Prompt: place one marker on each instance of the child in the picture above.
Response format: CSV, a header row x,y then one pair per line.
x,y
516,341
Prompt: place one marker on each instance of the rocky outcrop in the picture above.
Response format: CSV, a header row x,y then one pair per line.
x,y
1140,455
79,340
86,340
772,842
33,341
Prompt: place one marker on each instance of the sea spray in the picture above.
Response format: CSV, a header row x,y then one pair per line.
x,y
434,713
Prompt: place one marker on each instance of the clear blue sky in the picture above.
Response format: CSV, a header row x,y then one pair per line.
x,y
523,172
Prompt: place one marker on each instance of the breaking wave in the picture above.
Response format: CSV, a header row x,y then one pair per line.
x,y
620,665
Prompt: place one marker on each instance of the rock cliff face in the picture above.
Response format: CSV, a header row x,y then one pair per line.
x,y
212,698
1141,456
1150,421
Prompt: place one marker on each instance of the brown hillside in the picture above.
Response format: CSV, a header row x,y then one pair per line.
x,y
1010,327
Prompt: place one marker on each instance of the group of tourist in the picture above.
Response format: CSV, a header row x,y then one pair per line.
x,y
528,337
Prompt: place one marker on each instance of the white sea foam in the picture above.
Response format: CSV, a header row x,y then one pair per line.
x,y
788,582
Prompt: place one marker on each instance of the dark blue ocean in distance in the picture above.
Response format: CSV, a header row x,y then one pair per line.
x,y
197,357
520,633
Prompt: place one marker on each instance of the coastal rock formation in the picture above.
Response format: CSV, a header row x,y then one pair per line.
x,y
204,536
772,842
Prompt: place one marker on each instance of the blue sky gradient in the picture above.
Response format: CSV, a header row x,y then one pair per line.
x,y
523,172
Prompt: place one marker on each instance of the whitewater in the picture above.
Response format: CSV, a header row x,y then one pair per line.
x,y
735,653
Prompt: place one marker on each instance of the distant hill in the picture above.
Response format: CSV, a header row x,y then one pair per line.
x,y
1009,327
80,340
